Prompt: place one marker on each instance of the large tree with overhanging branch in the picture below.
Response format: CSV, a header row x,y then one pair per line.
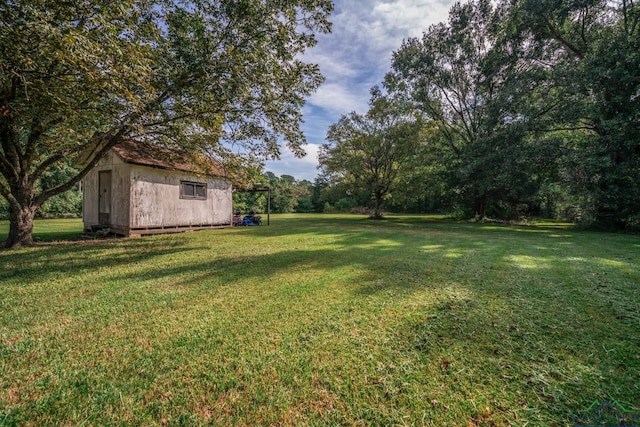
x,y
592,51
466,78
79,77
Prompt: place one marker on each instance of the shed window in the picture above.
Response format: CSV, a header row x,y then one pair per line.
x,y
193,190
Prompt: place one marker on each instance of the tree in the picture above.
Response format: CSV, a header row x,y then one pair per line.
x,y
476,85
592,51
79,77
286,192
370,152
67,203
303,193
320,193
282,193
425,184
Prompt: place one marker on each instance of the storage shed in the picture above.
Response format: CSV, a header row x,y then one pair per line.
x,y
140,188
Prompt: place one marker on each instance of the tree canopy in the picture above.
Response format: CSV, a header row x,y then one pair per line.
x,y
592,52
532,107
370,152
82,76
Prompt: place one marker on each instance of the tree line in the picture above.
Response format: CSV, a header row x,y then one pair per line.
x,y
520,107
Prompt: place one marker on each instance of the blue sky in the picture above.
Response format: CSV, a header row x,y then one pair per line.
x,y
354,57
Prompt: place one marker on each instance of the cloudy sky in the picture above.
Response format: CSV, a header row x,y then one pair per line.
x,y
353,58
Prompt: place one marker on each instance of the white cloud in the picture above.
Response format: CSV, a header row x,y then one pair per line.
x,y
330,63
339,97
300,168
357,53
353,58
410,18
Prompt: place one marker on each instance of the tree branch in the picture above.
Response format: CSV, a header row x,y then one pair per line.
x,y
113,137
6,193
42,167
559,37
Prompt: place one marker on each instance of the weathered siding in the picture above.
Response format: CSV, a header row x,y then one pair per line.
x,y
90,199
119,192
155,200
147,200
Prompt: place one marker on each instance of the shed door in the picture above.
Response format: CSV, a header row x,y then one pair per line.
x,y
104,217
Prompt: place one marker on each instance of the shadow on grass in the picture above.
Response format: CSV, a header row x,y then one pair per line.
x,y
29,265
417,247
401,255
533,321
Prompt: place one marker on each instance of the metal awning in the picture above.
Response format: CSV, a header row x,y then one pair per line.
x,y
258,188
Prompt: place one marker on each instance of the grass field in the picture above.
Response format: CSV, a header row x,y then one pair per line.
x,y
320,320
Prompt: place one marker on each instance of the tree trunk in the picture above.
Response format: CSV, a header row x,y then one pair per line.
x,y
21,227
377,210
480,206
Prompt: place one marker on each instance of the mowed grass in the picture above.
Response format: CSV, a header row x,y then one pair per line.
x,y
321,320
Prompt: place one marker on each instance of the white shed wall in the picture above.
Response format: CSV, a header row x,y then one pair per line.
x,y
149,198
155,200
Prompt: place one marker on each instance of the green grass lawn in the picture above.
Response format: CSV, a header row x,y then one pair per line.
x,y
320,320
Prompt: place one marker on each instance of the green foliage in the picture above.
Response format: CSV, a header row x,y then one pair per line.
x,y
67,204
305,205
345,204
369,153
593,87
79,77
464,78
287,195
62,205
530,108
285,191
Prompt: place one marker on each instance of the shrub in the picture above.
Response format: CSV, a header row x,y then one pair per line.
x,y
344,204
304,205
